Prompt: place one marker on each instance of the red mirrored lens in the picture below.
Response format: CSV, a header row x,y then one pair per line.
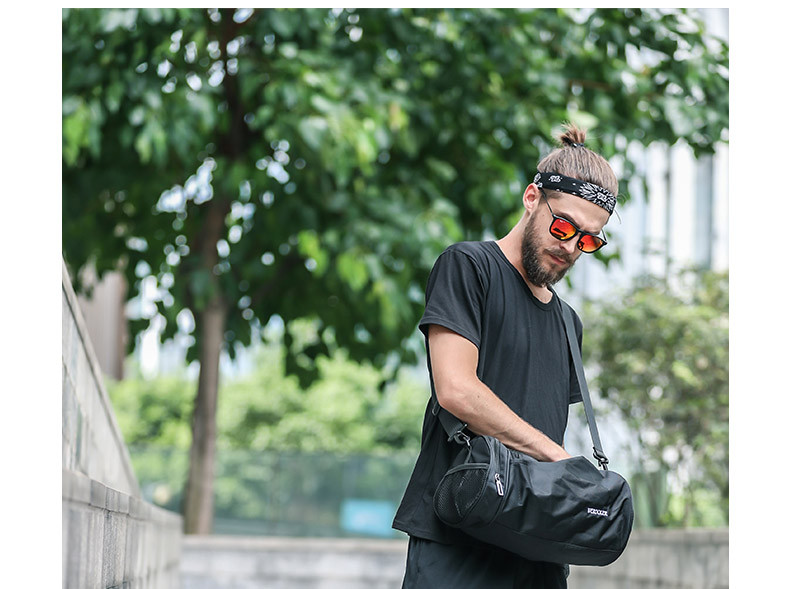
x,y
590,243
562,229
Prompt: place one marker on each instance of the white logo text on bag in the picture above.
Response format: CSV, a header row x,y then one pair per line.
x,y
593,511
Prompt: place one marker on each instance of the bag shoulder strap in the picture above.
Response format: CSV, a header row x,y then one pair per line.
x,y
573,344
454,427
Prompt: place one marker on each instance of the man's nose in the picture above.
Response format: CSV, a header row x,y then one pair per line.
x,y
571,245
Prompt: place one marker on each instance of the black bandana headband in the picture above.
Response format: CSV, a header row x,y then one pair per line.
x,y
586,190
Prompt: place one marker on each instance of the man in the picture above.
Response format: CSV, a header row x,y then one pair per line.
x,y
499,360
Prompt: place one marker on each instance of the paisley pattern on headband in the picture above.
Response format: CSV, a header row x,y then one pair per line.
x,y
586,190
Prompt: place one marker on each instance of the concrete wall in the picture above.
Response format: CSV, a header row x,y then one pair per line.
x,y
111,537
234,562
92,442
665,559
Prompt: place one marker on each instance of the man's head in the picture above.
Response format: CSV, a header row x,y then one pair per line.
x,y
566,209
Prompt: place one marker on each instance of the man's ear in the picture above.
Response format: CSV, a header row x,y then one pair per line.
x,y
531,198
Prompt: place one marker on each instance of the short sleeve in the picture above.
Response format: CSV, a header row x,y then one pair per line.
x,y
455,295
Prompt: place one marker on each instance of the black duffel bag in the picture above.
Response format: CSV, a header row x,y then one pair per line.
x,y
566,512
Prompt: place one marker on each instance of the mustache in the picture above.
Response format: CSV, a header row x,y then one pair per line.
x,y
561,255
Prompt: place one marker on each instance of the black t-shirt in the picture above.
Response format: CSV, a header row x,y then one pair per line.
x,y
523,357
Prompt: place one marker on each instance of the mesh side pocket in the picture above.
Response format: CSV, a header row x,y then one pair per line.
x,y
458,493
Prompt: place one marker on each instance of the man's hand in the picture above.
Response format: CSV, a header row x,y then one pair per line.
x,y
459,391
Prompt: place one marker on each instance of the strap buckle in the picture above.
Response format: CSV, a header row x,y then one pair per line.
x,y
460,437
603,461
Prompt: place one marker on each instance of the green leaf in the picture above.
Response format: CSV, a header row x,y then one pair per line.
x,y
311,248
313,130
352,270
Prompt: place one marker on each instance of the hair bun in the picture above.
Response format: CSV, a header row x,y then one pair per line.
x,y
573,159
573,136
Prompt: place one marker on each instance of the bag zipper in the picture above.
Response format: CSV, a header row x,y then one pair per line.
x,y
500,488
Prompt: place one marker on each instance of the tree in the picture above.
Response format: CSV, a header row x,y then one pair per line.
x,y
662,358
313,163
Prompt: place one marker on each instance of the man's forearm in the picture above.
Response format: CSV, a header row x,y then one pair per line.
x,y
486,414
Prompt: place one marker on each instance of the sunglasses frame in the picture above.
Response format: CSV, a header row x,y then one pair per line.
x,y
576,230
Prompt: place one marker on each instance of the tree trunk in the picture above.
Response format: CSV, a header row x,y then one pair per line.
x,y
199,493
198,504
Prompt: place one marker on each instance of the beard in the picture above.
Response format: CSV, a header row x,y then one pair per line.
x,y
536,273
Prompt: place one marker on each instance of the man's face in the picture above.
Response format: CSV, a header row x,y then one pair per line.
x,y
546,259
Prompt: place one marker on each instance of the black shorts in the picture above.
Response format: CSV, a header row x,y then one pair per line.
x,y
431,565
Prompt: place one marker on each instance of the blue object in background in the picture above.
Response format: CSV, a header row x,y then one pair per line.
x,y
365,516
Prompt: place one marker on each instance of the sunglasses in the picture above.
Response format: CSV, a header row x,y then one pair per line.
x,y
564,230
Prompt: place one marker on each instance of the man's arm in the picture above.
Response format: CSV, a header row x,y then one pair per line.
x,y
459,391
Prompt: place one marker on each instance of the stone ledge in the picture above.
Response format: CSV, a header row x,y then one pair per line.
x,y
655,559
675,535
292,563
286,544
666,559
78,488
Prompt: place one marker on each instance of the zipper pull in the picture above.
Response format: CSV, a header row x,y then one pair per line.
x,y
500,488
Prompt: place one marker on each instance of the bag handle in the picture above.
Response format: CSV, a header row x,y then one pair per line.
x,y
455,427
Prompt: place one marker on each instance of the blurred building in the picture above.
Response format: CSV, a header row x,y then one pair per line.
x,y
681,222
105,319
